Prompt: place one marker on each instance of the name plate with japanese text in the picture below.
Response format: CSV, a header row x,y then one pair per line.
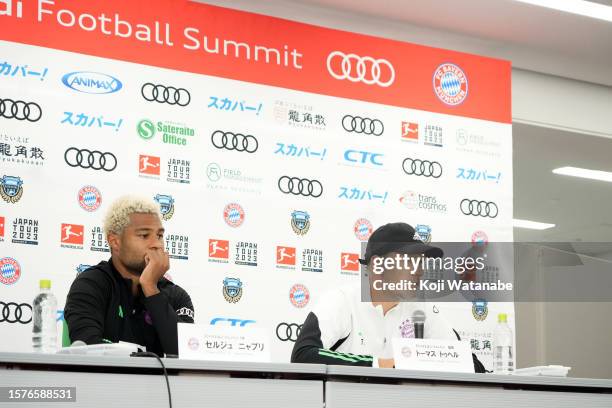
x,y
433,355
216,343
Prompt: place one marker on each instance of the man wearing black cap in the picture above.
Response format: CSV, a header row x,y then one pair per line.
x,y
344,330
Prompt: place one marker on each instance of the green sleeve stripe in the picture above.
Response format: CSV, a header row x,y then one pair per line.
x,y
343,356
336,356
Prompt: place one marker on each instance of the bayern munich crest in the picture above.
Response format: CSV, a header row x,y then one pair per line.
x,y
479,239
450,84
10,271
89,198
233,214
363,229
299,295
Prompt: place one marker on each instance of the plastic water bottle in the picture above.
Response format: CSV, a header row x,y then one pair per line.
x,y
44,327
503,357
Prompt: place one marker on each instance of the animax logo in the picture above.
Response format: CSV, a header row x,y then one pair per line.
x,y
92,82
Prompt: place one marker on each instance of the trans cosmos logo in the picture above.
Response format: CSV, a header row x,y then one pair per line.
x,y
89,198
480,310
166,205
11,189
300,222
363,229
10,271
410,200
450,84
299,295
232,289
92,82
233,214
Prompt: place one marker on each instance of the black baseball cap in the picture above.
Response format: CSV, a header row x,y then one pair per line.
x,y
397,237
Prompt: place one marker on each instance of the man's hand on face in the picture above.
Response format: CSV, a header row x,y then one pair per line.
x,y
157,264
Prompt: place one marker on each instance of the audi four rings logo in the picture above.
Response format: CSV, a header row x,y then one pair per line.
x,y
16,312
355,68
425,168
288,331
479,208
20,110
298,186
90,159
165,94
234,141
366,126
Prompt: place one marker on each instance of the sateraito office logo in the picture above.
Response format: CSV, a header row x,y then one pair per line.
x,y
145,129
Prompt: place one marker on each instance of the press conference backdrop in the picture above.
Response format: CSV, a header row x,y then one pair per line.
x,y
273,149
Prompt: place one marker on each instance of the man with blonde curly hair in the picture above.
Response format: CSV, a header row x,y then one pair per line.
x,y
127,298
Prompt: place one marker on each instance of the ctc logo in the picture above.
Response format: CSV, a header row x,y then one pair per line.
x,y
361,157
233,322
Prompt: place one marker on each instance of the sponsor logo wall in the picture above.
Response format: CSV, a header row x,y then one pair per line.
x,y
271,161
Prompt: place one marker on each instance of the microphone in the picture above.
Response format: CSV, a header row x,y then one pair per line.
x,y
418,318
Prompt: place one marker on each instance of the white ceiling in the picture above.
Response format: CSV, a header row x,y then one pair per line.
x,y
533,38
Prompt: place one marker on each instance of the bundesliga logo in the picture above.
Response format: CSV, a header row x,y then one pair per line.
x,y
349,263
89,198
285,257
148,165
218,250
72,236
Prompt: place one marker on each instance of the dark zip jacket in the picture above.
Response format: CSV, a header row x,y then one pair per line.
x,y
100,308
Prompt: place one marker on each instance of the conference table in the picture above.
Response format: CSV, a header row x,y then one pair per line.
x,y
104,381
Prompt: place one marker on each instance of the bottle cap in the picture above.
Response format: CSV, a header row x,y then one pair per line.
x,y
45,284
502,318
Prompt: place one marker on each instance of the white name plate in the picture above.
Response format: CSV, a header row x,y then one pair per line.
x,y
215,343
433,355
